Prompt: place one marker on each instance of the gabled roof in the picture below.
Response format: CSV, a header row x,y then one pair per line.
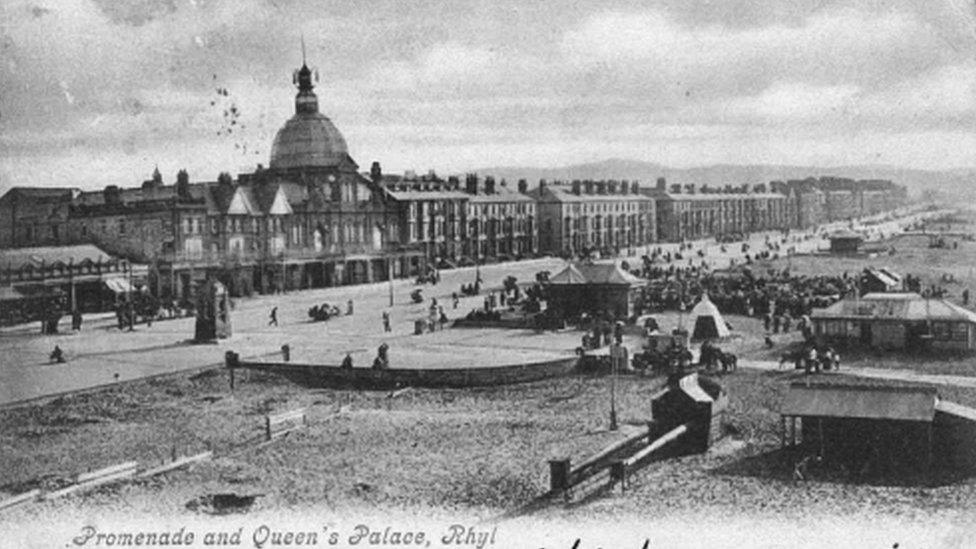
x,y
279,204
845,233
886,277
241,203
851,397
689,384
594,273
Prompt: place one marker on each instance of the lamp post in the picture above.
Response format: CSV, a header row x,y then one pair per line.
x,y
284,274
616,350
131,306
389,264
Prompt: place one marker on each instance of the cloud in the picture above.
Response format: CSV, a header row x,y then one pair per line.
x,y
944,92
791,101
839,46
435,85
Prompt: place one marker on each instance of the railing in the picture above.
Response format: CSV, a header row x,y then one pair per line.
x,y
326,253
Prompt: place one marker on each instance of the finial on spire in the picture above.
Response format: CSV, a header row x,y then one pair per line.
x,y
303,48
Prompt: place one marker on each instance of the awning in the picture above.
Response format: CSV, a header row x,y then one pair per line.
x,y
119,285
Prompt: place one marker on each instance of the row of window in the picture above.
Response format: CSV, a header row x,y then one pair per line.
x,y
941,331
500,209
603,207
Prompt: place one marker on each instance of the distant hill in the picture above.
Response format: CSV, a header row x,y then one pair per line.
x,y
948,184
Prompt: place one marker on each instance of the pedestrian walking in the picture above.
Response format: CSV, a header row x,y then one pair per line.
x,y
76,320
347,362
349,307
273,317
386,321
454,299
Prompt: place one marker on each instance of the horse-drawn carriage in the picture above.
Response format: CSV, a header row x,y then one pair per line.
x,y
670,353
323,312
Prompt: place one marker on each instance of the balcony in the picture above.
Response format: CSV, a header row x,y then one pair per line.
x,y
328,252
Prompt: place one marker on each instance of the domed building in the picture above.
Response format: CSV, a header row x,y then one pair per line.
x,y
330,224
309,139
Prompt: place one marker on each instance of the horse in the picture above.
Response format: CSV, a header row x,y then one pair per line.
x,y
729,361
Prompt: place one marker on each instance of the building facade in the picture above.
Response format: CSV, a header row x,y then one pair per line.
x,y
687,213
32,216
309,219
593,216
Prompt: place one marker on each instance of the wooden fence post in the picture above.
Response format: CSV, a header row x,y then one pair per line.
x,y
559,474
618,473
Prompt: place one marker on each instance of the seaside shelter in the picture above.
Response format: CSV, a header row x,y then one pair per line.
x,y
593,288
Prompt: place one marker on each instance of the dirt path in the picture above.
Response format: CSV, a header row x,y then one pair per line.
x,y
880,373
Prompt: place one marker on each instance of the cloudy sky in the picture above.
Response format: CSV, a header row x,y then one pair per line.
x,y
92,93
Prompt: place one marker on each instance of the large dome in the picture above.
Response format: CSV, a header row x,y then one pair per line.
x,y
308,139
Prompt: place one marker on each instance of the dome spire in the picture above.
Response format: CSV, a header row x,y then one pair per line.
x,y
305,102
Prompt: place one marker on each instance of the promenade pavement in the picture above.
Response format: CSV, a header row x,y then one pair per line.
x,y
101,354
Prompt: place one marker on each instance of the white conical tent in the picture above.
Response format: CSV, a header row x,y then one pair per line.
x,y
709,323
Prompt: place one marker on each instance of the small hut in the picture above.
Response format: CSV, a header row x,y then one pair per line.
x,y
691,399
877,427
845,242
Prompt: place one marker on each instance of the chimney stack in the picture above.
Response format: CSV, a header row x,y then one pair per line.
x,y
375,172
662,184
624,186
612,186
523,186
635,187
182,184
577,186
112,194
489,185
471,183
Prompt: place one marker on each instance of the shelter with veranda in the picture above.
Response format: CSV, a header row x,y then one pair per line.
x,y
900,320
593,288
877,429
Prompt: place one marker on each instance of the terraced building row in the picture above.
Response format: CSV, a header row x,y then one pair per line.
x,y
312,218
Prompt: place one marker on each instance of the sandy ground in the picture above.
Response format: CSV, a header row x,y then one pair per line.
x,y
478,453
